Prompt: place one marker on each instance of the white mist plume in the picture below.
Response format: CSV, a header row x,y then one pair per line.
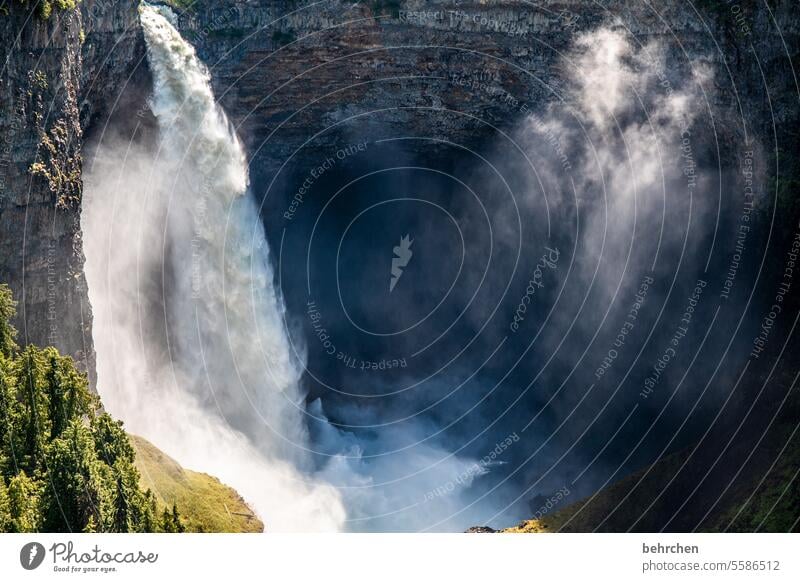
x,y
178,232
622,172
624,138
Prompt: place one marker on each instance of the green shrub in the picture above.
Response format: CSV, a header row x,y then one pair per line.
x,y
44,8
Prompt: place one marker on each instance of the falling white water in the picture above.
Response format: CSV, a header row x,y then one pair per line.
x,y
174,235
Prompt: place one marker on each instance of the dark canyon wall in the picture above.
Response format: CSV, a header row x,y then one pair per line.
x,y
284,69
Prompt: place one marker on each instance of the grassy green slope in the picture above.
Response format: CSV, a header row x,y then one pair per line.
x,y
765,497
769,500
206,504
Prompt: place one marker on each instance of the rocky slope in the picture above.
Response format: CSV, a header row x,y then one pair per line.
x,y
759,494
764,497
740,477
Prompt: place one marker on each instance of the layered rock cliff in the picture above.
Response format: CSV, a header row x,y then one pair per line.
x,y
297,77
300,80
60,75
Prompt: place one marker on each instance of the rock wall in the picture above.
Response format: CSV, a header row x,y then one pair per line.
x,y
457,69
59,76
287,72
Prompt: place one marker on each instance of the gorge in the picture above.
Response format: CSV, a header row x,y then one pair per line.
x,y
240,311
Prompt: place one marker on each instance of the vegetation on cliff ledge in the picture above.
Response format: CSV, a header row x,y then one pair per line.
x,y
44,8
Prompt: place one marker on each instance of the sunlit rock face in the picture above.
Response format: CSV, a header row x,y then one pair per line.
x,y
59,77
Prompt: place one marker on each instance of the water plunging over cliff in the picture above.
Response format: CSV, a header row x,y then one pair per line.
x,y
177,229
193,351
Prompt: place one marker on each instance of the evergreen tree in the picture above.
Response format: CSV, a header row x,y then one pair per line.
x,y
176,520
122,518
5,507
79,484
148,513
64,464
67,391
167,523
8,309
111,441
9,420
55,395
79,402
35,428
23,504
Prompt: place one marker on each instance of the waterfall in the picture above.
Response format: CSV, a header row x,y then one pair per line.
x,y
192,350
174,243
189,328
